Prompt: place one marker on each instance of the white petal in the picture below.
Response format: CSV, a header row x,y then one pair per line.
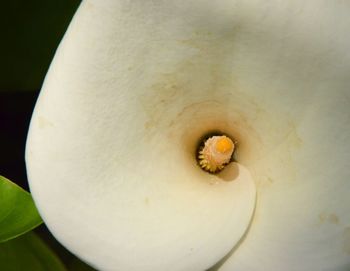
x,y
296,66
134,85
112,143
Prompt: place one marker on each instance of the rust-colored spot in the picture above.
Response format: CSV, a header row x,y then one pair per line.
x,y
329,218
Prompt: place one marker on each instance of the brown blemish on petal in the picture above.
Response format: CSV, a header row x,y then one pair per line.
x,y
333,219
148,125
328,218
265,182
293,137
146,200
322,218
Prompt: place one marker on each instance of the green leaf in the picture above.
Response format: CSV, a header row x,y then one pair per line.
x,y
28,253
18,213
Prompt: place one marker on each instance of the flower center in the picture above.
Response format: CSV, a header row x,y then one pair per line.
x,y
215,153
224,144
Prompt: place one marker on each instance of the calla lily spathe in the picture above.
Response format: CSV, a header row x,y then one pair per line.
x,y
111,150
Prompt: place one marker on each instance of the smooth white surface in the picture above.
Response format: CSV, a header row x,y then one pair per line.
x,y
110,165
134,84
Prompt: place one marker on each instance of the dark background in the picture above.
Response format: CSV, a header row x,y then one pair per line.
x,y
30,33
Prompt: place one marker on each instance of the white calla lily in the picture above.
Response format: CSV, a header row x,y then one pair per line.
x,y
134,87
